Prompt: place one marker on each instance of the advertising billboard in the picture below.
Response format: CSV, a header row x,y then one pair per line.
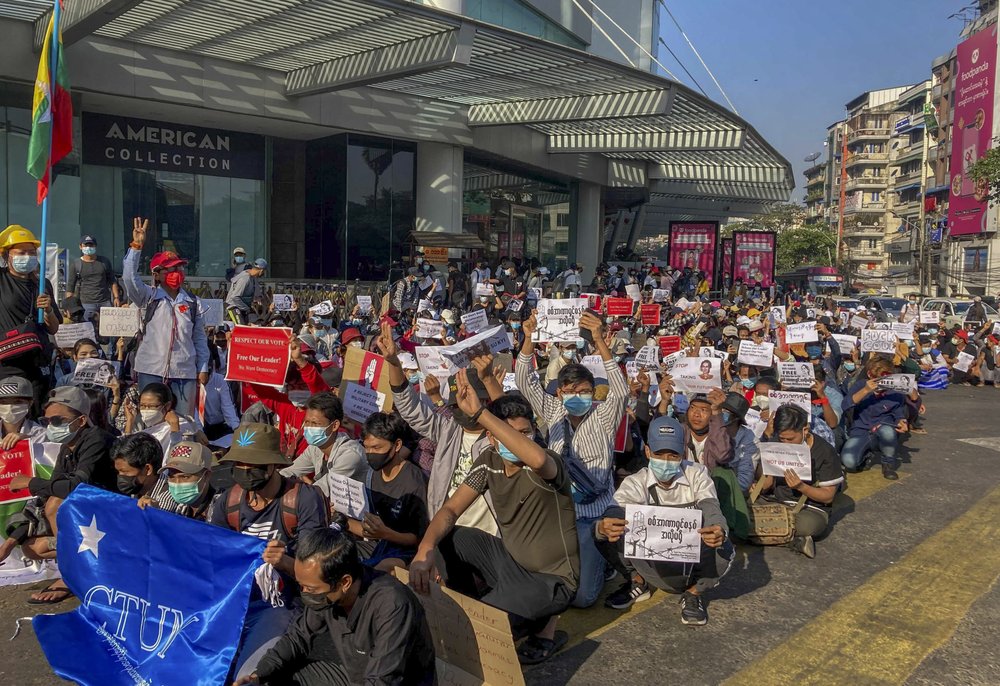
x,y
753,256
974,82
727,261
692,244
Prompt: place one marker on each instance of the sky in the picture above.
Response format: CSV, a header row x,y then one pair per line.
x,y
790,66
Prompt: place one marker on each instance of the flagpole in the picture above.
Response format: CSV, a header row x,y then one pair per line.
x,y
53,66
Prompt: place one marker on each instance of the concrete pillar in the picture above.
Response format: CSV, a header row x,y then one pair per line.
x,y
586,220
439,187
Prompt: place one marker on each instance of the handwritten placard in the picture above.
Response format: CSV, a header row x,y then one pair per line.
x,y
365,303
347,495
69,334
776,399
122,322
859,322
476,320
755,354
846,343
429,328
559,320
663,534
801,333
903,331
878,341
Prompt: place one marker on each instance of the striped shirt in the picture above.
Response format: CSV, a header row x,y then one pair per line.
x,y
592,444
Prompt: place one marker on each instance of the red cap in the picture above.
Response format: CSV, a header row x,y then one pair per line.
x,y
165,260
350,335
963,334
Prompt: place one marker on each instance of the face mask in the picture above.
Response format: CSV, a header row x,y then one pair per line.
x,y
578,404
506,454
568,354
955,340
727,416
748,383
185,494
315,435
59,434
355,344
932,332
239,259
13,414
252,479
378,460
580,344
151,417
813,351
356,322
316,601
664,470
89,251
128,485
515,325
608,320
484,300
850,366
174,280
420,260
415,378
298,398
24,264
427,268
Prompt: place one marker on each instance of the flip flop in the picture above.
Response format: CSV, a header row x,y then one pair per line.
x,y
536,650
64,594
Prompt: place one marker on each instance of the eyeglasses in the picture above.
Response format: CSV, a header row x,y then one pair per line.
x,y
57,422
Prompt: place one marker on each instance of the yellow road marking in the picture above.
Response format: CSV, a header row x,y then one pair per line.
x,y
881,631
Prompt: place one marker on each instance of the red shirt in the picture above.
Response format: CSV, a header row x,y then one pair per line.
x,y
290,417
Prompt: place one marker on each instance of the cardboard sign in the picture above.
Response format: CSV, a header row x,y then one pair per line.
x,y
776,399
360,402
69,334
213,311
365,303
122,322
485,290
646,357
476,320
620,307
347,495
429,328
775,458
903,331
321,309
490,341
858,322
660,295
95,372
904,383
796,374
367,369
258,354
649,315
633,291
878,341
15,462
930,317
669,344
757,355
282,302
663,534
697,374
801,333
559,320
846,343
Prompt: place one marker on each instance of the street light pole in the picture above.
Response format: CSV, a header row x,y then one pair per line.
x,y
923,270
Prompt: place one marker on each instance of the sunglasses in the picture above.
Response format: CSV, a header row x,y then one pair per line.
x,y
57,422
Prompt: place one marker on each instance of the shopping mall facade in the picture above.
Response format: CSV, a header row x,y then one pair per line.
x,y
321,134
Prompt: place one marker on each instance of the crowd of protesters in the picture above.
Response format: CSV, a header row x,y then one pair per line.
x,y
507,480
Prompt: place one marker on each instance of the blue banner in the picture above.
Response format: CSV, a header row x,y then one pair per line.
x,y
162,597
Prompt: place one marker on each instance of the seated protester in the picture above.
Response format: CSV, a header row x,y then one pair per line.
x,y
951,349
397,517
138,458
158,418
668,481
16,396
827,407
184,485
791,425
733,411
876,416
533,571
705,437
274,508
330,450
376,624
83,349
84,457
221,417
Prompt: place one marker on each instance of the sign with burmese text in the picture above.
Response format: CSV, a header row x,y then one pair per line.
x,y
258,354
115,141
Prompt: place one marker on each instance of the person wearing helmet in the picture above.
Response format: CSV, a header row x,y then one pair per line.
x,y
20,302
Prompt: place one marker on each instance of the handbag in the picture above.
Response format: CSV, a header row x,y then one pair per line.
x,y
771,523
20,341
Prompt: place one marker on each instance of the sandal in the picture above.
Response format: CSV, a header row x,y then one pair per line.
x,y
536,650
62,593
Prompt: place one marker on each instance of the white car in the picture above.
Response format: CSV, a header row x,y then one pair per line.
x,y
953,310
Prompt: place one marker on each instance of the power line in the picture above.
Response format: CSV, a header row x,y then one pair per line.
x,y
678,60
718,85
637,43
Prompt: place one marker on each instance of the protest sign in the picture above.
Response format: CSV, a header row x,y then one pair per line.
x,y
755,423
122,322
424,305
777,315
367,369
801,333
486,342
858,322
485,290
535,294
964,361
649,314
425,283
660,295
347,495
878,341
671,359
559,320
682,303
213,311
697,374
903,331
595,364
69,334
775,458
904,383
663,534
476,320
282,302
360,402
810,312
509,382
258,354
15,462
796,374
620,307
646,356
776,399
365,303
709,351
94,371
757,355
633,291
669,344
846,343
321,309
593,301
429,328
930,317
432,363
513,305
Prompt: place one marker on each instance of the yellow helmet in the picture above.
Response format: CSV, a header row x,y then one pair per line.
x,y
15,234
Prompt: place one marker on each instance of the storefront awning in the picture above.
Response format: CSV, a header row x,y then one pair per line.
x,y
434,239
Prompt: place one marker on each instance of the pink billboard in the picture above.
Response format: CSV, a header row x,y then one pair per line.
x,y
973,127
727,260
692,244
753,257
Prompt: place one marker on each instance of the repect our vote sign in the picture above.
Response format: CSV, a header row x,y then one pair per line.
x,y
122,322
662,534
258,354
775,458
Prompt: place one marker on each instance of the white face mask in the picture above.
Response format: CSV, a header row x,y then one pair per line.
x,y
151,417
13,414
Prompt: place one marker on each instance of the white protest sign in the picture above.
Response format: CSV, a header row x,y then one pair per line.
x,y
663,534
758,355
755,423
904,332
904,383
432,363
485,290
559,320
777,315
595,364
775,458
475,321
423,305
878,341
360,402
801,333
697,374
425,283
776,399
535,293
490,341
94,371
682,303
660,295
646,357
709,351
322,309
120,321
796,374
69,334
964,361
930,317
347,495
282,302
213,311
632,290
846,343
509,382
365,303
429,328
811,312
515,305
996,329
858,322
670,360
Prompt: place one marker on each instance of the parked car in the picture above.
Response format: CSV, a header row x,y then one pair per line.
x,y
845,303
953,310
886,309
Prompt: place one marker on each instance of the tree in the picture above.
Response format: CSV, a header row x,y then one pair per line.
x,y
812,245
986,173
779,218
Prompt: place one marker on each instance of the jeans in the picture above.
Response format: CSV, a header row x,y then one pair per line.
x,y
185,390
857,444
591,564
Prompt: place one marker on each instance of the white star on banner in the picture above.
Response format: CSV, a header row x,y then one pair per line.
x,y
91,537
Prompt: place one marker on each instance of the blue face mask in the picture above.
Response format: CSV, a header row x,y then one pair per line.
x,y
850,366
239,259
727,416
568,354
578,404
932,332
515,325
185,494
664,470
748,383
415,378
24,264
315,435
507,454
580,344
89,250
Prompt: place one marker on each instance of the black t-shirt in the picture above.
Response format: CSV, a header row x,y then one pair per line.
x,y
402,502
458,282
93,278
17,300
826,471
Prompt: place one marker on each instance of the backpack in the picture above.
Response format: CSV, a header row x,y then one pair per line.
x,y
289,508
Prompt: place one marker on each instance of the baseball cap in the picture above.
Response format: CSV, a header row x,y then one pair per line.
x,y
730,331
700,398
188,457
72,397
88,240
166,260
239,251
665,433
260,263
16,387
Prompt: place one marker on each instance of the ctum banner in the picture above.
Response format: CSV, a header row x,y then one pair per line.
x,y
115,141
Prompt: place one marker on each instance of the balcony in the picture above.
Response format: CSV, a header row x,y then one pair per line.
x,y
863,230
814,196
912,152
867,158
867,182
868,134
908,178
865,255
878,207
907,209
816,180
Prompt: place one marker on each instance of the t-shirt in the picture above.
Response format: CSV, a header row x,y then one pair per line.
x,y
94,279
402,502
826,471
536,516
465,460
17,305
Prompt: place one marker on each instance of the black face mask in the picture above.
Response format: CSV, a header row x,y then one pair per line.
x,y
699,432
316,601
252,479
128,485
378,460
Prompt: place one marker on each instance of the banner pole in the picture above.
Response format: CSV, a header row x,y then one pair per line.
x,y
53,66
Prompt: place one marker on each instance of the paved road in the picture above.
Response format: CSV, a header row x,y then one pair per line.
x,y
901,592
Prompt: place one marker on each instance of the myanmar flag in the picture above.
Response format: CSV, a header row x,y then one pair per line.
x,y
51,114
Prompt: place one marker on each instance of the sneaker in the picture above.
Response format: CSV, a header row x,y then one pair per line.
x,y
889,472
629,594
804,545
693,610
609,573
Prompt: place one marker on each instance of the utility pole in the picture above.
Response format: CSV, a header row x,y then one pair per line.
x,y
923,240
843,203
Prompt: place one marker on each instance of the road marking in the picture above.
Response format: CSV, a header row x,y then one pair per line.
x,y
990,443
882,631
